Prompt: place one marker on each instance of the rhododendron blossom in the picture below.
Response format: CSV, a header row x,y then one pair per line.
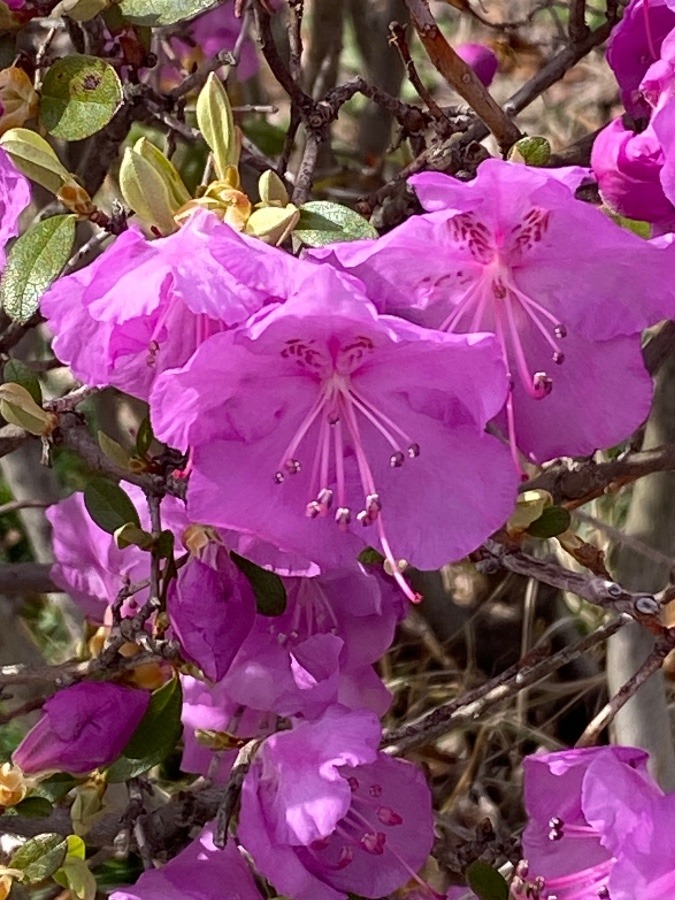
x,y
333,428
81,728
144,306
323,813
565,290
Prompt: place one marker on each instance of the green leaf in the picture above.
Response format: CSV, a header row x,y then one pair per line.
x,y
80,95
322,222
113,450
131,535
164,545
269,590
154,13
34,807
145,437
554,520
40,857
155,737
486,882
75,875
19,373
108,505
34,261
638,227
55,787
371,557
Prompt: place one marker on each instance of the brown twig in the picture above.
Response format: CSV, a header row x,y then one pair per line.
x,y
577,28
461,76
609,595
470,706
649,667
397,37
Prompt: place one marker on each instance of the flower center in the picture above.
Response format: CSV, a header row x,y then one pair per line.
x,y
335,420
493,301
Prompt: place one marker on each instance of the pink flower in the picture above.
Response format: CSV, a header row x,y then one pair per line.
x,y
334,428
635,44
88,563
201,871
583,806
566,291
481,59
628,168
14,198
82,728
145,306
323,813
209,34
211,610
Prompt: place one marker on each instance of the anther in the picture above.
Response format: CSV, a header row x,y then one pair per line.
x,y
343,516
542,385
560,331
373,503
396,460
365,518
279,477
558,358
292,466
313,509
325,498
414,451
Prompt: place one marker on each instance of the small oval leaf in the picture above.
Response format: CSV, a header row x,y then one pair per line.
x,y
322,222
108,505
80,95
40,857
269,590
18,372
154,13
35,260
553,521
486,882
155,737
34,807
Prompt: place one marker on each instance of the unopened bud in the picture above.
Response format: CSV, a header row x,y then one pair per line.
x,y
76,199
232,206
148,189
13,787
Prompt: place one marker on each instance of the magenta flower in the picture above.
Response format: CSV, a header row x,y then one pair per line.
x,y
145,306
635,44
83,727
323,813
583,805
319,650
512,254
211,610
628,168
333,428
88,564
201,871
14,198
481,59
645,865
209,34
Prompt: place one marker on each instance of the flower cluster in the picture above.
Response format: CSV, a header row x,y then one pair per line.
x,y
632,157
372,399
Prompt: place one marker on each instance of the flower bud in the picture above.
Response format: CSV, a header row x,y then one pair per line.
x,y
481,59
232,206
19,408
271,189
82,727
18,100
